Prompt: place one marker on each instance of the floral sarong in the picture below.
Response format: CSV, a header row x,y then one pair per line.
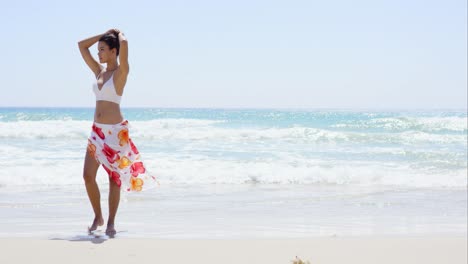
x,y
112,147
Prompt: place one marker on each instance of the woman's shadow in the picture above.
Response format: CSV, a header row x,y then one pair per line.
x,y
93,237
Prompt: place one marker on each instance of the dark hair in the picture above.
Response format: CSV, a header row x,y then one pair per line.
x,y
112,41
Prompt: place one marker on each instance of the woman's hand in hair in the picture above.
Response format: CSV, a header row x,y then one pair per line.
x,y
113,31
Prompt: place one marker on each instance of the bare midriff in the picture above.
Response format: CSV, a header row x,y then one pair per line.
x,y
107,113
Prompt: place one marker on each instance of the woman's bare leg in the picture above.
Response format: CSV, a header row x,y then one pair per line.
x,y
114,199
89,175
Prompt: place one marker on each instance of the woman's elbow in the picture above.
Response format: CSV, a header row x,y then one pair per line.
x,y
80,44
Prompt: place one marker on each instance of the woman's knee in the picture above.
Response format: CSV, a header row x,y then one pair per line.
x,y
89,177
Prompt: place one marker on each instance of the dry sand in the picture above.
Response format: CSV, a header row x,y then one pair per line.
x,y
320,250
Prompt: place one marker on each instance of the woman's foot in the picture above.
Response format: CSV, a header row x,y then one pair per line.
x,y
98,221
110,231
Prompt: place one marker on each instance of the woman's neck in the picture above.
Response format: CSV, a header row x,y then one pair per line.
x,y
111,66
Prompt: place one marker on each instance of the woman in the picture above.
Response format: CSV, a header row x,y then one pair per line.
x,y
109,144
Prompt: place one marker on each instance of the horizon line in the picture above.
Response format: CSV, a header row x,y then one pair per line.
x,y
246,108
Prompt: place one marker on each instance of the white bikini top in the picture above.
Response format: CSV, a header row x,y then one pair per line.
x,y
107,92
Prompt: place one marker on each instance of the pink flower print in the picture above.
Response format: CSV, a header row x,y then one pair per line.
x,y
98,131
134,149
137,168
110,153
115,176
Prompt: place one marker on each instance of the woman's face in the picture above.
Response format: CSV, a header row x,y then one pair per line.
x,y
104,53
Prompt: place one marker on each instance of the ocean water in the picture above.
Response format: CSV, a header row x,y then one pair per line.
x,y
244,173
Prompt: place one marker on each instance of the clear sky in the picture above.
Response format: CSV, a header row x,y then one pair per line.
x,y
243,53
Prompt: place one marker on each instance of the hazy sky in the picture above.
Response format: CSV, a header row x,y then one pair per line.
x,y
256,54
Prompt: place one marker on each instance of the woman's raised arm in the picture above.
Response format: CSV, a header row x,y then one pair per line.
x,y
123,53
87,57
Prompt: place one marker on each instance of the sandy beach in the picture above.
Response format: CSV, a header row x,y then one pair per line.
x,y
320,250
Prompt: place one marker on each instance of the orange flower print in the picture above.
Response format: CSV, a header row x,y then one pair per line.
x,y
91,148
123,137
136,184
124,162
